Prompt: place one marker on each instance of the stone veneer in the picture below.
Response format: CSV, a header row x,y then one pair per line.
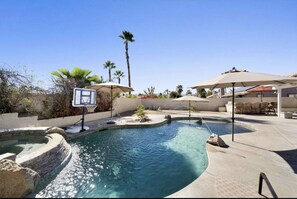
x,y
47,159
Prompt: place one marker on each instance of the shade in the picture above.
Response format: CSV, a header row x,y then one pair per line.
x,y
111,87
244,78
262,89
107,86
189,98
236,78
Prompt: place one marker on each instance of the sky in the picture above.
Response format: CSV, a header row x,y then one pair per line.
x,y
177,42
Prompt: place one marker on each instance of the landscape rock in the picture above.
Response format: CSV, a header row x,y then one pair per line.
x,y
57,130
216,140
16,181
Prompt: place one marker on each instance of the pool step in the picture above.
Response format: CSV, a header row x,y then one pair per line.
x,y
9,156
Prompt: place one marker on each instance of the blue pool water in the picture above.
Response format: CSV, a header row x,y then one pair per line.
x,y
133,162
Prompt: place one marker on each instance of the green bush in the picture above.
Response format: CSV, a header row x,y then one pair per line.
x,y
141,114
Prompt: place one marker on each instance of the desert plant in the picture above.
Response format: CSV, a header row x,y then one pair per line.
x,y
150,92
141,113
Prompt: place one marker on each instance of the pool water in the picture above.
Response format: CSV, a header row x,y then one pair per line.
x,y
132,162
23,145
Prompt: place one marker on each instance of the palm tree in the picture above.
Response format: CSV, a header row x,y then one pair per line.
x,y
166,92
150,92
109,65
118,75
127,37
179,90
79,77
66,82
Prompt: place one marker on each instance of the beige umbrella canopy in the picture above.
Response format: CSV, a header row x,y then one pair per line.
x,y
108,86
236,78
189,99
111,87
244,78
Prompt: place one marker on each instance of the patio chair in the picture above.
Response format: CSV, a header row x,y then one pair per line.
x,y
271,108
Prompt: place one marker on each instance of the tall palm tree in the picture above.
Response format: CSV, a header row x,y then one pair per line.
x,y
118,75
109,65
127,37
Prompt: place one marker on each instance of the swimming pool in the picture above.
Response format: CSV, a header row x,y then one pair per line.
x,y
133,162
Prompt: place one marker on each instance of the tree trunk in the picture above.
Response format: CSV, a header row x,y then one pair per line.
x,y
128,65
109,72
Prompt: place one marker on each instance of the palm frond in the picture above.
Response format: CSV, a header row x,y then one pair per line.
x,y
57,74
65,72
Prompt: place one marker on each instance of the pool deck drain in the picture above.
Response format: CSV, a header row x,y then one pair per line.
x,y
234,171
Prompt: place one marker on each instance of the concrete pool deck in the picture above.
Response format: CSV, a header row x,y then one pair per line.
x,y
234,171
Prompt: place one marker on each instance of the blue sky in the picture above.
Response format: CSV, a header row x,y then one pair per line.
x,y
177,42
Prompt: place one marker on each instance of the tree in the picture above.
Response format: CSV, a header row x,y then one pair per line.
x,y
150,92
109,65
166,93
65,81
179,90
118,75
15,88
201,93
189,92
127,37
173,94
79,77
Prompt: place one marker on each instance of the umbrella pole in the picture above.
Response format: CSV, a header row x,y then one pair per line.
x,y
189,110
233,112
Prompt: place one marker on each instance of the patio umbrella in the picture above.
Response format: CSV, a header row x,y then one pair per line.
x,y
189,99
236,78
111,87
261,89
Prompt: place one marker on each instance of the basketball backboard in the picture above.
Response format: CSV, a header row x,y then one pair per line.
x,y
84,97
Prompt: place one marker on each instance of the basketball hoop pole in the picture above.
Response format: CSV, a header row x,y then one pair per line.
x,y
83,119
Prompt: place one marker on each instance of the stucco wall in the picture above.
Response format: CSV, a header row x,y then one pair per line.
x,y
11,120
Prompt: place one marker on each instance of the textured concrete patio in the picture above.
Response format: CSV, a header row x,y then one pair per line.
x,y
234,172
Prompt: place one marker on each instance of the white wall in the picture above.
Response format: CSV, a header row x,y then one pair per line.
x,y
212,105
11,120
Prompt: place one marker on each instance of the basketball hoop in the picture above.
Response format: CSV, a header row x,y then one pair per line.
x,y
83,98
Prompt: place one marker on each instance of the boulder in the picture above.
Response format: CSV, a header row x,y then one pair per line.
x,y
16,181
57,130
216,140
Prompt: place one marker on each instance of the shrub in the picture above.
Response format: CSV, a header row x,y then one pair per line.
x,y
141,114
